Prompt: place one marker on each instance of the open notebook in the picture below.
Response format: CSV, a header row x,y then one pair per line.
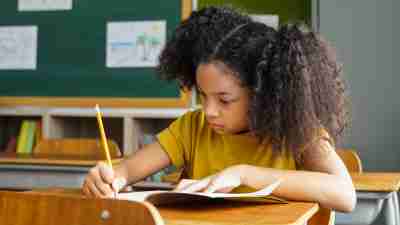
x,y
165,197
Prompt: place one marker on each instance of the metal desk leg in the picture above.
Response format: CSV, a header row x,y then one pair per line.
x,y
390,208
397,207
369,206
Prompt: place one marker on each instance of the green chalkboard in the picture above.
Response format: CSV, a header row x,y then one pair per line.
x,y
71,55
287,10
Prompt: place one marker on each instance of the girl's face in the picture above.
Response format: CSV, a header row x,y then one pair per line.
x,y
224,101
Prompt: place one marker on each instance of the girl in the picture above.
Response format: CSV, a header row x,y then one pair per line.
x,y
273,106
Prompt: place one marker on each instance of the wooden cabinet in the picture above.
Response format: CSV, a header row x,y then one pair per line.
x,y
126,126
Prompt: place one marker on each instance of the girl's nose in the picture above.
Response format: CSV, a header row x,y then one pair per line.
x,y
211,110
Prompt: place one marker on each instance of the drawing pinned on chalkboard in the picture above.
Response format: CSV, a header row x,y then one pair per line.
x,y
134,44
44,5
270,20
18,47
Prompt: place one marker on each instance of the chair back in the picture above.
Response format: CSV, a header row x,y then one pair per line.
x,y
80,147
324,216
350,159
33,208
353,164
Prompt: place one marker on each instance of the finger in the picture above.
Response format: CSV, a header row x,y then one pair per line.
x,y
104,188
118,184
127,188
214,188
223,184
106,172
93,190
88,186
198,186
85,189
214,185
184,183
211,187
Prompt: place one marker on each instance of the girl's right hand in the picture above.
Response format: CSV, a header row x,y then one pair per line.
x,y
101,182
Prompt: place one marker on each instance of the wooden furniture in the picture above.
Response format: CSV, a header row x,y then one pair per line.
x,y
294,213
376,181
47,206
81,147
22,208
49,168
128,127
376,193
350,159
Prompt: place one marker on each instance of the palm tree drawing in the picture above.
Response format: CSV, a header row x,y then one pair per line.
x,y
141,41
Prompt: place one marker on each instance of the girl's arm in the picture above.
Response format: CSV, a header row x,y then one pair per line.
x,y
326,180
141,164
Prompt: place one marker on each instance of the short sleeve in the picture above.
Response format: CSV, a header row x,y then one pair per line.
x,y
316,147
177,138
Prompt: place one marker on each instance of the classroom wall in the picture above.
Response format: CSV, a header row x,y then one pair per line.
x,y
288,10
365,34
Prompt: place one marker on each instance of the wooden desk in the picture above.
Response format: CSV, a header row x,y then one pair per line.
x,y
224,213
294,213
378,182
28,171
50,160
376,194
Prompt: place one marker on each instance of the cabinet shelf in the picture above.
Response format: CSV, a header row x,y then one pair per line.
x,y
126,126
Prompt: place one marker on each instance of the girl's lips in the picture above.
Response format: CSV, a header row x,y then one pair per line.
x,y
216,125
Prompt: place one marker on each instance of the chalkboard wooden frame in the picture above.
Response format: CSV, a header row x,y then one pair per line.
x,y
183,100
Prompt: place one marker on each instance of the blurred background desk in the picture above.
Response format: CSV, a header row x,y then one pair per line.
x,y
25,177
29,171
376,195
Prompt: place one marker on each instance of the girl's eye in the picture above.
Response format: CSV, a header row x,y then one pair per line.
x,y
224,101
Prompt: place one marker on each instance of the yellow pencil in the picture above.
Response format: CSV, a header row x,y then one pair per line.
x,y
103,135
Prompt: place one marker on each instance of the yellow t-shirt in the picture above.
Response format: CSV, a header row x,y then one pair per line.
x,y
193,145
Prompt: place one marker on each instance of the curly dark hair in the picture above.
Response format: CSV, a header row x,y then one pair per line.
x,y
295,82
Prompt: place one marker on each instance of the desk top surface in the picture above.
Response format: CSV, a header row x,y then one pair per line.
x,y
294,213
376,181
58,160
227,212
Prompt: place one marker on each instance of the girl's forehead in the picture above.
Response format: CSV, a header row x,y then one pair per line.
x,y
211,77
215,72
219,69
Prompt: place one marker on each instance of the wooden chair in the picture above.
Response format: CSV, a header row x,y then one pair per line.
x,y
351,160
353,164
21,208
78,147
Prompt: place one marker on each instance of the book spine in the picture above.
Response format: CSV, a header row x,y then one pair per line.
x,y
26,137
30,137
21,141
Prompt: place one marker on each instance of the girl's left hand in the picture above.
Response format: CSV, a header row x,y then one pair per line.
x,y
224,181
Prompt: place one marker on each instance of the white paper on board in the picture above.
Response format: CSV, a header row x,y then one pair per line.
x,y
270,20
44,5
134,44
18,47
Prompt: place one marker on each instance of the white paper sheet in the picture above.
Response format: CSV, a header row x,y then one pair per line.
x,y
135,44
44,5
18,47
270,20
143,195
